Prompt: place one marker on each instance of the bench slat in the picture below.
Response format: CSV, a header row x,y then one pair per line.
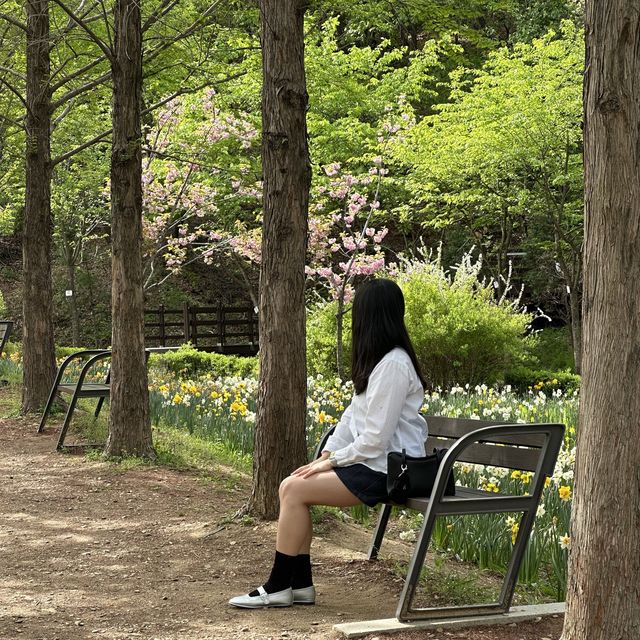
x,y
468,505
489,454
457,427
88,390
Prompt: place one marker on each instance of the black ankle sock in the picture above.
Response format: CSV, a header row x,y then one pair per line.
x,y
302,572
281,573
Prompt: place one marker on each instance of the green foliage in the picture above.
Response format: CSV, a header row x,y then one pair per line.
x,y
64,352
189,362
503,158
533,18
551,349
3,306
321,340
460,331
549,364
523,378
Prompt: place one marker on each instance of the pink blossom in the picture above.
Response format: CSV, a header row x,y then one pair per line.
x,y
332,169
349,243
380,236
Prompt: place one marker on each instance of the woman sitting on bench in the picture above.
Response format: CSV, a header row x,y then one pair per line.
x,y
383,416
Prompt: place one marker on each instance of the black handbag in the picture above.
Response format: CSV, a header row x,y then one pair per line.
x,y
410,477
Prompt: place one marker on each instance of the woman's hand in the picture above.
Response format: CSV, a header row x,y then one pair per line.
x,y
317,466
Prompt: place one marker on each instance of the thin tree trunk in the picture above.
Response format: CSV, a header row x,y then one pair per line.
x,y
576,328
129,422
603,596
68,254
38,343
280,425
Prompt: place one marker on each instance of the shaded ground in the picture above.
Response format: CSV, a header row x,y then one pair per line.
x,y
90,551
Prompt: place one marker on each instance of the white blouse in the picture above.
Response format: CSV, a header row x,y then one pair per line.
x,y
383,418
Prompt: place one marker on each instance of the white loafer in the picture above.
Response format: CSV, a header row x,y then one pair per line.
x,y
306,595
263,599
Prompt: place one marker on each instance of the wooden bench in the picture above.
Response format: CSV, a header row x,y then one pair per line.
x,y
522,447
5,333
80,388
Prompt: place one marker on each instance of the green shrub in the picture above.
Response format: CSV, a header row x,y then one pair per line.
x,y
321,340
551,350
188,362
461,332
523,378
63,352
3,307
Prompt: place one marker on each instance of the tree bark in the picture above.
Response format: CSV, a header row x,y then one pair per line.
x,y
603,598
129,422
280,425
38,343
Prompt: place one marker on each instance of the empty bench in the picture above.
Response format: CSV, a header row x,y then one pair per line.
x,y
522,447
82,388
5,333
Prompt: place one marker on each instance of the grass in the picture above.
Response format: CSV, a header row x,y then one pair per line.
x,y
10,399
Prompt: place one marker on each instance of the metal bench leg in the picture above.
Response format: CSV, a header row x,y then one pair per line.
x,y
98,407
50,401
383,519
67,420
415,567
511,577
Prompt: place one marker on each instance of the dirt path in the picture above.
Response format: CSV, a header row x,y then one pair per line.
x,y
90,551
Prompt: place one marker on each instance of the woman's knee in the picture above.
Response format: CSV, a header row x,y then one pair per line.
x,y
288,488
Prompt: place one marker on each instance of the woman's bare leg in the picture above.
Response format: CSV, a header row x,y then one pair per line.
x,y
296,496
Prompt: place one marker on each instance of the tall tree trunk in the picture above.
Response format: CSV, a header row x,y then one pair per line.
x,y
280,426
38,344
129,423
603,598
576,328
73,304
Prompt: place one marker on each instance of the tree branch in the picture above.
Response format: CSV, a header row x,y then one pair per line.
x,y
14,91
190,30
165,7
87,29
82,147
14,22
15,123
79,90
75,74
13,72
58,36
151,109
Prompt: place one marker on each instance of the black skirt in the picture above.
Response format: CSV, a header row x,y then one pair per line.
x,y
367,485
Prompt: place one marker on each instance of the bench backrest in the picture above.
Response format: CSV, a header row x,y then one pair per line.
x,y
520,452
5,333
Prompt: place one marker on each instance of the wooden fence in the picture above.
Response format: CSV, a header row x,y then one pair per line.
x,y
231,330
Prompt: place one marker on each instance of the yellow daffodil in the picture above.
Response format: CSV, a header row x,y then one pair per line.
x,y
565,493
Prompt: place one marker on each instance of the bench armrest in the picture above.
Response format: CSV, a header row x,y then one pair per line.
x,y
323,441
100,355
75,356
553,435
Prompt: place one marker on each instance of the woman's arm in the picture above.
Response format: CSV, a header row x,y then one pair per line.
x,y
341,436
387,392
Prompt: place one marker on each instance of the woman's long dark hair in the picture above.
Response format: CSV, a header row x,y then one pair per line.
x,y
377,321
